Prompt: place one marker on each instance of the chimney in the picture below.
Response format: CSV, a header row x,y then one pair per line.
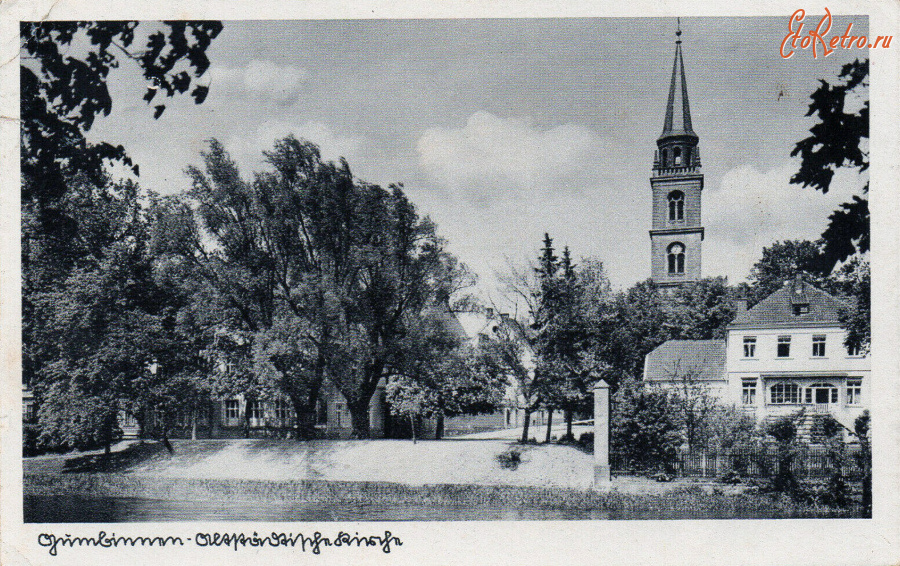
x,y
504,316
489,312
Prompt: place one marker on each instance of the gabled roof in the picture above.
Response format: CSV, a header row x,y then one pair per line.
x,y
700,360
779,308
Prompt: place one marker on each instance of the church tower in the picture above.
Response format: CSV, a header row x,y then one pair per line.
x,y
676,182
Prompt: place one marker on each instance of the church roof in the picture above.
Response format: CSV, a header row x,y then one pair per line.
x,y
796,303
678,109
700,360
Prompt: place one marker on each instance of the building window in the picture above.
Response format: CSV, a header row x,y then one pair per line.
x,y
854,392
784,347
231,410
676,206
129,420
818,350
29,414
854,350
339,409
282,411
785,394
677,156
182,418
749,346
821,393
748,392
255,410
676,258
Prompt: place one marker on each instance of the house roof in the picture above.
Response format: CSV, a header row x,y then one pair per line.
x,y
448,320
779,308
702,360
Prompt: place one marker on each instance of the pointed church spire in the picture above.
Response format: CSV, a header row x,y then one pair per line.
x,y
678,110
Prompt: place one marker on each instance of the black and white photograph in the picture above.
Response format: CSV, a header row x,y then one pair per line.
x,y
561,270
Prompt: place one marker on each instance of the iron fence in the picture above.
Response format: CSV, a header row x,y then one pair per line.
x,y
805,463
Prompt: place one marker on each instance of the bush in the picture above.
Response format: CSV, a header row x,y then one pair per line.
x,y
731,477
832,493
646,431
783,430
586,440
831,428
510,459
30,433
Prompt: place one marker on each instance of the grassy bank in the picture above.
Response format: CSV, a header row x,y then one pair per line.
x,y
688,502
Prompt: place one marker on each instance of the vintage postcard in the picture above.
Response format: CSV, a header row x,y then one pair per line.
x,y
491,284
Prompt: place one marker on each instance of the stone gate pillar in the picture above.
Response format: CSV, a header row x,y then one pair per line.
x,y
601,435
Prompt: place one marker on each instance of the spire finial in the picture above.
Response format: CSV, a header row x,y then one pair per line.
x,y
678,31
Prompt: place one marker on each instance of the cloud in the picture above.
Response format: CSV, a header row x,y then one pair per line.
x,y
507,181
752,209
492,158
263,78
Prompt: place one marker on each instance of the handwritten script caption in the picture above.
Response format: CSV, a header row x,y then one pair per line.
x,y
236,541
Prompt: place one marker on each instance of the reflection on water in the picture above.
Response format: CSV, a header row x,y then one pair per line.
x,y
78,509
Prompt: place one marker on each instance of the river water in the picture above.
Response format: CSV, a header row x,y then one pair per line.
x,y
79,509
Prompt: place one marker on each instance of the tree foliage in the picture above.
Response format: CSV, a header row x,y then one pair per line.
x,y
439,374
565,303
326,276
93,317
644,430
838,139
645,316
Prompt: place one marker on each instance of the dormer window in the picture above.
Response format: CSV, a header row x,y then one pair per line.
x,y
801,308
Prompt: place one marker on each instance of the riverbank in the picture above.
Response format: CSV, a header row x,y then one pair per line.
x,y
472,462
367,480
168,498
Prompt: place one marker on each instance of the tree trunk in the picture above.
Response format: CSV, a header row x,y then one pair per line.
x,y
359,409
111,422
439,427
412,426
302,425
569,418
359,417
549,425
193,424
247,406
526,425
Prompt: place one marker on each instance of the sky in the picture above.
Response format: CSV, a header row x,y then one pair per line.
x,y
502,130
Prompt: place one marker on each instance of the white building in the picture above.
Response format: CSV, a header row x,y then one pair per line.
x,y
783,356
